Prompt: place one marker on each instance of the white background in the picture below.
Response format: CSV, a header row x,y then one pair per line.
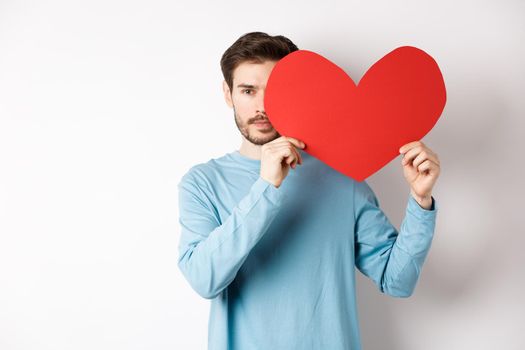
x,y
104,105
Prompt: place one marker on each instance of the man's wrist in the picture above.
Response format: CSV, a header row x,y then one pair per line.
x,y
424,202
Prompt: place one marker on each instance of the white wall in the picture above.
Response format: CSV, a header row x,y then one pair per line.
x,y
105,104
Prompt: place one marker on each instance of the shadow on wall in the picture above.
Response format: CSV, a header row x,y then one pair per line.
x,y
469,140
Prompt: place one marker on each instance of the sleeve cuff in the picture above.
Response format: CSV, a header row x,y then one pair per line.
x,y
420,212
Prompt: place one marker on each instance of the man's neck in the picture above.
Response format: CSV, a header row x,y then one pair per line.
x,y
250,150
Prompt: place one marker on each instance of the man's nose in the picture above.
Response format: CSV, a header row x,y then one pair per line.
x,y
260,102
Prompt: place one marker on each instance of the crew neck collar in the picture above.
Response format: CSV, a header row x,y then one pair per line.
x,y
254,164
248,162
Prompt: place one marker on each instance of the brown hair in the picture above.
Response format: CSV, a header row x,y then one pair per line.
x,y
254,47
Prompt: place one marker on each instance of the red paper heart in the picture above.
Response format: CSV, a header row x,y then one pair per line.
x,y
355,129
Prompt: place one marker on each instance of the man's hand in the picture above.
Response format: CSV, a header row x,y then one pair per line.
x,y
277,157
421,169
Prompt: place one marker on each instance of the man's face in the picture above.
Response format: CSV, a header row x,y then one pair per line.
x,y
247,101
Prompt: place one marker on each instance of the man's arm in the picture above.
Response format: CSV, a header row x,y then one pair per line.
x,y
210,254
392,259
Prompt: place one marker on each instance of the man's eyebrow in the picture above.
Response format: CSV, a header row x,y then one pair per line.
x,y
246,86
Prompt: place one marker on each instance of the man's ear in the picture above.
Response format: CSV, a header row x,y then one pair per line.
x,y
227,94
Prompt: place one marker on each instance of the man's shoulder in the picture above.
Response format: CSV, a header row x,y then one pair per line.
x,y
204,173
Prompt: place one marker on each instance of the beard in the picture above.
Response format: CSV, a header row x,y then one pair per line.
x,y
261,137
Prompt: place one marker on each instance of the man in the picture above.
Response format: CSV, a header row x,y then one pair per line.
x,y
275,249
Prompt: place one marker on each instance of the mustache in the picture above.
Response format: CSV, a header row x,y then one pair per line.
x,y
260,119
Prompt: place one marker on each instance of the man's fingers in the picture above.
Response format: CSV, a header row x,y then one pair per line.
x,y
298,143
299,157
422,156
295,142
294,157
289,153
428,166
289,146
285,140
411,154
419,154
408,146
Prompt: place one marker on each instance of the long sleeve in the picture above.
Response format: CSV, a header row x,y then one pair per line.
x,y
392,259
211,253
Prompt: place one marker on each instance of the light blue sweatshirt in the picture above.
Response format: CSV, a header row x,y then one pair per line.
x,y
278,263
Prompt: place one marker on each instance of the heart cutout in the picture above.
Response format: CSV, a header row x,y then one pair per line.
x,y
355,129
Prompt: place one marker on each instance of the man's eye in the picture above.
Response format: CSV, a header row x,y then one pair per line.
x,y
247,90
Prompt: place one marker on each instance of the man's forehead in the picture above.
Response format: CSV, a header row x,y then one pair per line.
x,y
252,74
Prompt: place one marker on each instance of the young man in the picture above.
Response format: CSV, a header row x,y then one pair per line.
x,y
275,250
